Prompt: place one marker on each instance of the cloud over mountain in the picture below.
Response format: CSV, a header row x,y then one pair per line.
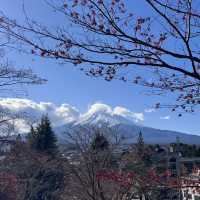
x,y
165,117
64,113
64,116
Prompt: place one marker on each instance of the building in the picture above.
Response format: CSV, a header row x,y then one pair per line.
x,y
190,186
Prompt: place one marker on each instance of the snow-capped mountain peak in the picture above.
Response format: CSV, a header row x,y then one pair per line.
x,y
103,114
104,118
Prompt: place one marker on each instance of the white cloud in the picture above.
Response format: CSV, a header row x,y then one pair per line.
x,y
61,114
98,108
165,117
150,110
128,114
21,126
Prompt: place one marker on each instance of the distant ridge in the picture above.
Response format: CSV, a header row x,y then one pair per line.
x,y
127,129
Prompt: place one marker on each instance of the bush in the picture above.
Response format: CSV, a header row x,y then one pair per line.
x,y
45,184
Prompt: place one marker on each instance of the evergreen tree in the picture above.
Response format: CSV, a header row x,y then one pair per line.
x,y
142,151
32,138
19,138
99,143
42,138
140,144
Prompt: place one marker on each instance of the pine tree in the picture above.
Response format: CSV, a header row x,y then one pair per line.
x,y
142,151
32,138
140,144
99,143
42,138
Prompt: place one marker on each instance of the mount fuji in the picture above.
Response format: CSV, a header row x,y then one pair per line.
x,y
126,128
66,118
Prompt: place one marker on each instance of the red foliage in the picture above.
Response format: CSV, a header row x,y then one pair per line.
x,y
128,179
8,185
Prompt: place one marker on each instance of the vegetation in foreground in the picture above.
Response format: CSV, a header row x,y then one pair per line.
x,y
95,168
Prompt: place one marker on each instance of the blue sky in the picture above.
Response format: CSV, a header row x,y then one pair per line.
x,y
68,85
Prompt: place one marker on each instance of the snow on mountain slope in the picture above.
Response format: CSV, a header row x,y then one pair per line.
x,y
128,129
101,113
102,119
66,118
